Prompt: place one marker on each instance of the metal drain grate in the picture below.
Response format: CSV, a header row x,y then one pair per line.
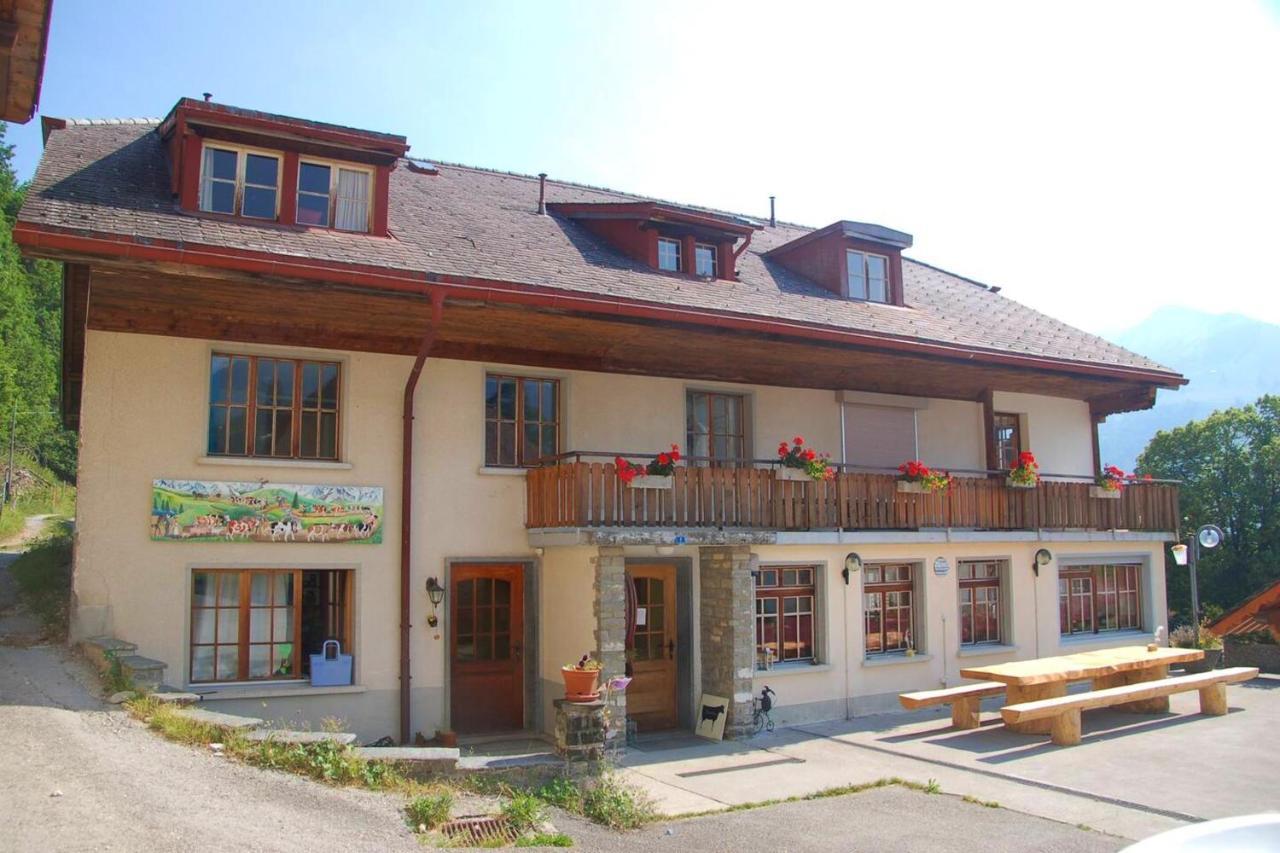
x,y
481,829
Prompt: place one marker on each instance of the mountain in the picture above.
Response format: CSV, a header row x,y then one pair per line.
x,y
1230,360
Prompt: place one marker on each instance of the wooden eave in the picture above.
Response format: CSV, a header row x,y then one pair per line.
x,y
220,118
648,211
24,39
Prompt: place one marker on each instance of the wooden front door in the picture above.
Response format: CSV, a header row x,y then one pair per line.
x,y
486,648
651,696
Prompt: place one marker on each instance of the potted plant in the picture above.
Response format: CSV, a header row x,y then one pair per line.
x,y
917,478
655,475
1025,473
800,463
582,679
1110,483
1188,637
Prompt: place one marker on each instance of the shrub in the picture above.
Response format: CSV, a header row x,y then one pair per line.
x,y
616,805
1185,637
429,810
562,793
524,812
545,839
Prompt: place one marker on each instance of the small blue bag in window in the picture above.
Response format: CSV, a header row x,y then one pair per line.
x,y
330,668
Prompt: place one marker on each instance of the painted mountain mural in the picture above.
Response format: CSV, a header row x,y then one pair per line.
x,y
203,510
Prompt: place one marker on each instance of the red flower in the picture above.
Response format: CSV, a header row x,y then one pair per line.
x,y
798,440
810,455
664,459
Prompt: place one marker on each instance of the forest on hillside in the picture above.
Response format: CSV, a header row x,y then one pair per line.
x,y
30,340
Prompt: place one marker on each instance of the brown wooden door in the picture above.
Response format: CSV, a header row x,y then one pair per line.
x,y
486,648
651,696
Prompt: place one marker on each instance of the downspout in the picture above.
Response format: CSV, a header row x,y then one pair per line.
x,y
406,510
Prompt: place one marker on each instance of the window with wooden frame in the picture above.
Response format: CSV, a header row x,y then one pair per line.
x,y
273,407
669,255
716,427
1007,439
888,600
786,607
705,261
980,601
1094,599
240,181
264,624
329,193
521,420
868,276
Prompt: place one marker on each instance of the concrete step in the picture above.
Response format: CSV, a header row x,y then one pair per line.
x,y
219,719
286,736
424,758
170,696
146,673
100,649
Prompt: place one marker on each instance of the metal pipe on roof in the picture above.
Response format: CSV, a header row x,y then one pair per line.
x,y
542,193
406,513
773,219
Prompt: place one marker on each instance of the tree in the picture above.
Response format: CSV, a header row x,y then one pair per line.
x,y
30,337
1229,465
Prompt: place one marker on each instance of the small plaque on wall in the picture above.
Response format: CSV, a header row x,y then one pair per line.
x,y
941,566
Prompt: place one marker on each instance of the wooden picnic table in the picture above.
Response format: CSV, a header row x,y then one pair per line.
x,y
1047,678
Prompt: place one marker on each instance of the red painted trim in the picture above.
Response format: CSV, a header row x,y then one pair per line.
x,y
189,167
648,210
217,114
289,188
467,287
381,201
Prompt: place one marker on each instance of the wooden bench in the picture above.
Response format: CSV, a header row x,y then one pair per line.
x,y
1064,711
963,701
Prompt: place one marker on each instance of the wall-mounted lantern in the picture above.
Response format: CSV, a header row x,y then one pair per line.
x,y
1043,557
435,592
852,565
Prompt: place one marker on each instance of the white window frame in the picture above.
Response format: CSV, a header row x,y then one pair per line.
x,y
679,251
715,259
334,167
858,257
242,159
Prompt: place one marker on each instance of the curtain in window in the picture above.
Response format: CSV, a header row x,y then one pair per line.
x,y
352,209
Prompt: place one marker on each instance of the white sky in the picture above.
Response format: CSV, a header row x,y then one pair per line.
x,y
1096,160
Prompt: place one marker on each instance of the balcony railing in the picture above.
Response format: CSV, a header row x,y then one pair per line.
x,y
580,490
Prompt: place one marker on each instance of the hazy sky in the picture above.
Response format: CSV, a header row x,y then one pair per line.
x,y
1095,159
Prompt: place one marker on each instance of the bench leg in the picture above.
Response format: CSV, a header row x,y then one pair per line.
x,y
1015,695
1213,699
1066,728
964,713
1158,705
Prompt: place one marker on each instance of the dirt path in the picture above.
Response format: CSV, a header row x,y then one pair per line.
x,y
30,530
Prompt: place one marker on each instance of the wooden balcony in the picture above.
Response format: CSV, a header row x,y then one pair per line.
x,y
574,492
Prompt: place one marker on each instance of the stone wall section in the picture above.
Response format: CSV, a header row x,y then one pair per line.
x,y
727,617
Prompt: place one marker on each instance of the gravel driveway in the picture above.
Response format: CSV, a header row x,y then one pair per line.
x,y
77,775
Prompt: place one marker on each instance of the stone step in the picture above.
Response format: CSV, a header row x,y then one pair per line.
x,y
426,758
219,719
286,736
174,697
100,649
146,673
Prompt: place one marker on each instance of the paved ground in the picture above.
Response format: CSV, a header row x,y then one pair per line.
x,y
883,819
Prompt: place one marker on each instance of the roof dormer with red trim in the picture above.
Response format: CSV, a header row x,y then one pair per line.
x,y
228,162
667,237
856,260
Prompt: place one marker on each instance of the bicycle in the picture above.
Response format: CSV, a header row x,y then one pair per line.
x,y
761,705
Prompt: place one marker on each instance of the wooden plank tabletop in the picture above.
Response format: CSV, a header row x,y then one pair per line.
x,y
1080,666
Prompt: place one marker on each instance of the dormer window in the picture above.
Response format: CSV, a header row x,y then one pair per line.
x,y
868,276
669,254
240,182
704,260
328,193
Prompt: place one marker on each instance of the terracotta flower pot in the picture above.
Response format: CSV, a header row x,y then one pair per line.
x,y
580,685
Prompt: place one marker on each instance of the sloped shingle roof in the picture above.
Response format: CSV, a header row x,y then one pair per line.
x,y
112,177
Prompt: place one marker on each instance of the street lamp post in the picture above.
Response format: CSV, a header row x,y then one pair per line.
x,y
1208,536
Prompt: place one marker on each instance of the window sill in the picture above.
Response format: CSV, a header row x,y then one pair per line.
x,y
895,660
785,670
985,650
1107,638
501,472
256,462
209,693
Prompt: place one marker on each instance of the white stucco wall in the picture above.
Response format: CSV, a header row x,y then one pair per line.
x,y
144,417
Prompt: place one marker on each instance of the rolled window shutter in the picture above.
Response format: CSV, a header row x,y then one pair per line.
x,y
879,436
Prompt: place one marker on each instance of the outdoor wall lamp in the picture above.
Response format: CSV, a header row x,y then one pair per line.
x,y
435,592
1043,557
852,565
1208,536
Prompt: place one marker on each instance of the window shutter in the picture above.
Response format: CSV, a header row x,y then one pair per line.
x,y
879,436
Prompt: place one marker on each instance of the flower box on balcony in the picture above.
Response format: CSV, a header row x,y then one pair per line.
x,y
1014,484
794,475
651,481
908,488
1104,493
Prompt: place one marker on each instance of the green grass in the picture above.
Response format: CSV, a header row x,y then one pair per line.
x,y
524,812
545,839
58,499
427,811
43,577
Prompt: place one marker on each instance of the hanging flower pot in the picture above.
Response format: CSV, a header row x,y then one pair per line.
x,y
657,474
792,475
1104,493
651,481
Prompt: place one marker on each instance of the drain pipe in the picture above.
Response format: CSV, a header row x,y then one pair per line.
x,y
406,511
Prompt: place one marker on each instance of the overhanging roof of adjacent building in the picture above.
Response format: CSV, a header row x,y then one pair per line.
x,y
102,190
